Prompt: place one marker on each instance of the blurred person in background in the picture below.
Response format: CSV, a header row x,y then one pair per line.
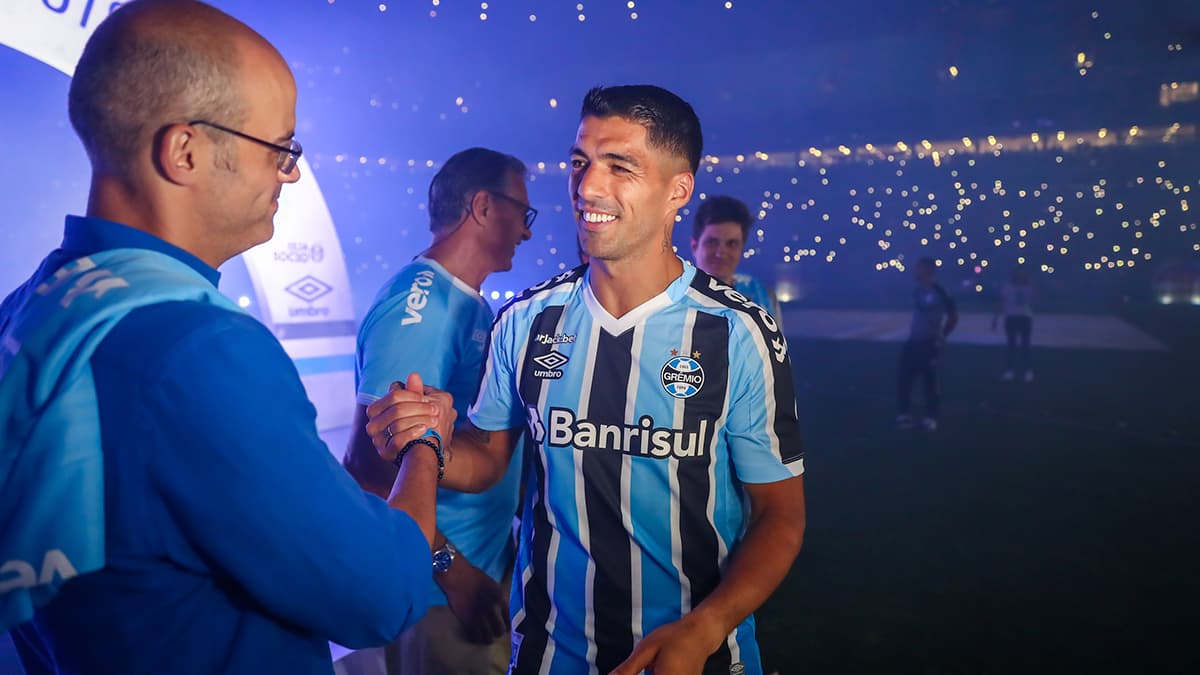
x,y
720,230
934,317
1016,306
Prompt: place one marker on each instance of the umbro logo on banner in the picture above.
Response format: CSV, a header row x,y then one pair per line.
x,y
309,288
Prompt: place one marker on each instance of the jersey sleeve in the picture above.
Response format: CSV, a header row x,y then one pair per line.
x,y
410,330
762,427
498,404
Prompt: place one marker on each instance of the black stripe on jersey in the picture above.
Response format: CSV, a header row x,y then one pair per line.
x,y
787,427
697,537
570,276
612,601
532,627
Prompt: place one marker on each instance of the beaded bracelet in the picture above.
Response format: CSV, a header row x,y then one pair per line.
x,y
436,447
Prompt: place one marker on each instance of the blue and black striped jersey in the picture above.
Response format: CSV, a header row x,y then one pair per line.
x,y
642,431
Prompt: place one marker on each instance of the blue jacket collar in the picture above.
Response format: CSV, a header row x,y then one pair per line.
x,y
85,236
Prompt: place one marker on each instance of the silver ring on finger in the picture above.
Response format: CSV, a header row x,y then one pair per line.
x,y
387,431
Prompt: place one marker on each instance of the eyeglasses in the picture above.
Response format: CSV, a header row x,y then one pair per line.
x,y
288,154
530,212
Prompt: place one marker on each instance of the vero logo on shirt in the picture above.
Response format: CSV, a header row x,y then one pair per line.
x,y
418,297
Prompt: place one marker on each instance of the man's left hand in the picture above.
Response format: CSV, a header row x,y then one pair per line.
x,y
679,648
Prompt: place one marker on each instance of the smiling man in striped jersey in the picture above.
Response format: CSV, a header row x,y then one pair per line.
x,y
664,496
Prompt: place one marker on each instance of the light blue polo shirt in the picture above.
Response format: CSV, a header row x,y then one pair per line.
x,y
428,321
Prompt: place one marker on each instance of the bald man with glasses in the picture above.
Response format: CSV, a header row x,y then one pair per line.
x,y
160,457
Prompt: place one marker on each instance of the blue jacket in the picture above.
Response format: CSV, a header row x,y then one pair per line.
x,y
234,541
51,462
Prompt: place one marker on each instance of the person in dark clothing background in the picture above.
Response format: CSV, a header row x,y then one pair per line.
x,y
934,318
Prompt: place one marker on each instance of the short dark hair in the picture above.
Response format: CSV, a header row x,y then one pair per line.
x,y
461,177
927,263
671,123
722,209
137,74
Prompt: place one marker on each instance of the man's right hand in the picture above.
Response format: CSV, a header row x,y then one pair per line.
x,y
478,601
405,413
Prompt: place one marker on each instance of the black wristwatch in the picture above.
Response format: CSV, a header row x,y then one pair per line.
x,y
444,557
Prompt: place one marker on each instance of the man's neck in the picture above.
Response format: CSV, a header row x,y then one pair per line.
x,y
621,286
461,259
129,204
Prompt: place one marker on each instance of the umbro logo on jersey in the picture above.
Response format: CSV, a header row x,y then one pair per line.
x,y
551,363
682,377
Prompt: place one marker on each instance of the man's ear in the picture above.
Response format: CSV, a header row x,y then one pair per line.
x,y
177,153
682,186
695,243
481,206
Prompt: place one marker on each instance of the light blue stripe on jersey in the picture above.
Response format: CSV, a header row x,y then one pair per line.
x,y
428,321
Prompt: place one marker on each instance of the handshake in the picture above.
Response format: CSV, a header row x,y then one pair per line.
x,y
408,412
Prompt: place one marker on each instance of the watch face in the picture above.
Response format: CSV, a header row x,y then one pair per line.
x,y
442,560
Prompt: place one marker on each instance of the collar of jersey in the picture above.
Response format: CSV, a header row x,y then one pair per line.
x,y
458,283
614,326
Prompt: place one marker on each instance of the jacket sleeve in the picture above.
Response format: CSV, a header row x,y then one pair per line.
x,y
262,497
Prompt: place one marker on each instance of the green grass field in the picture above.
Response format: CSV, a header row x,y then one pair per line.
x,y
1044,528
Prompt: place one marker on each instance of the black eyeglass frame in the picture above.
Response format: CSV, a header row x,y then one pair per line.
x,y
530,212
289,155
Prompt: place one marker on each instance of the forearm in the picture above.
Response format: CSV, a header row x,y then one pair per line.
x,y
759,564
372,472
472,461
415,489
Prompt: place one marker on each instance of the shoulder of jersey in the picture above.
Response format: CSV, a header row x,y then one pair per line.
x,y
547,287
729,298
419,275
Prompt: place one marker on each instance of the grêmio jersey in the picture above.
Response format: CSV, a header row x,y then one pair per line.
x,y
642,432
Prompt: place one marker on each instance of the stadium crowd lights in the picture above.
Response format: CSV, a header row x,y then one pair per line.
x,y
581,16
934,218
1064,141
